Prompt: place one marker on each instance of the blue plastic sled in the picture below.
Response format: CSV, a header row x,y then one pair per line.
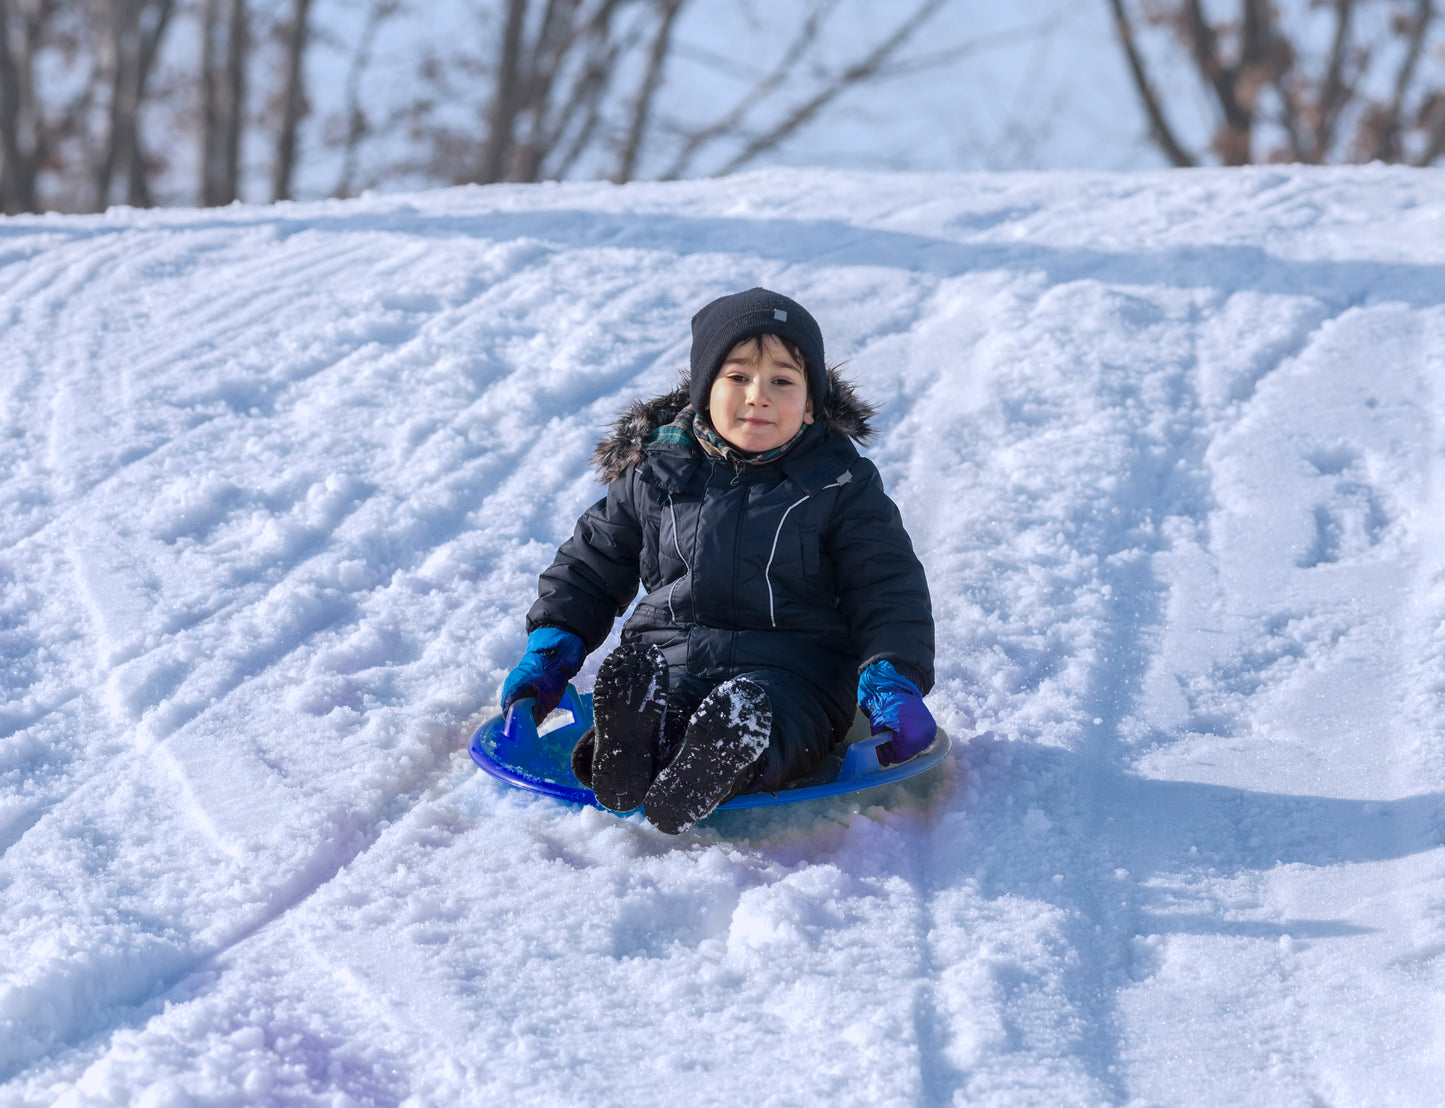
x,y
513,748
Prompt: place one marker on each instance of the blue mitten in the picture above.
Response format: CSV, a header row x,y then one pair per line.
x,y
894,703
553,657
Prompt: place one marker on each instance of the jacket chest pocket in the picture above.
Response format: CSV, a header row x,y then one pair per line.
x,y
808,550
672,539
647,561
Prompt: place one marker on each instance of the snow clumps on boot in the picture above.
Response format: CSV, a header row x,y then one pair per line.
x,y
724,740
628,704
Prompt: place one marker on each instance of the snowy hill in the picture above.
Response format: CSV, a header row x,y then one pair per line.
x,y
275,486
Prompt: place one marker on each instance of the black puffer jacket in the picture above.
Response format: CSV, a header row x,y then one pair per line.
x,y
801,565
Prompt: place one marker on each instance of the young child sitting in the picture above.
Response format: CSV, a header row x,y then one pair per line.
x,y
780,587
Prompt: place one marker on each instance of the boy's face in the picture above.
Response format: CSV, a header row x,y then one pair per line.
x,y
759,398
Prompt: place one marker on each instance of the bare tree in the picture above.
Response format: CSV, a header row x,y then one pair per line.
x,y
293,99
22,135
71,79
354,123
506,94
834,83
555,64
1282,88
575,85
640,114
224,47
106,101
130,45
760,92
97,107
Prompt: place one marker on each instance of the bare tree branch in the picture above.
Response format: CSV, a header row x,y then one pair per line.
x,y
585,105
764,87
1389,124
1432,118
1334,94
937,59
851,76
1160,128
554,76
537,75
355,116
1270,55
564,33
581,113
647,91
1232,141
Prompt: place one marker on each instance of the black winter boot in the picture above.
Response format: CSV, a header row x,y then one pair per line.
x,y
582,756
724,740
628,702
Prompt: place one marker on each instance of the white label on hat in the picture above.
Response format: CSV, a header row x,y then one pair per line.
x,y
780,315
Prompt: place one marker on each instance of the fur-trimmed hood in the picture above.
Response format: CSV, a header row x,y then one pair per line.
x,y
624,445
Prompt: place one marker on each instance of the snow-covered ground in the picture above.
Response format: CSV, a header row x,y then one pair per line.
x,y
275,486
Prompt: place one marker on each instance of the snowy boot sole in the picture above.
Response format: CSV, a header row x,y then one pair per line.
x,y
627,703
725,737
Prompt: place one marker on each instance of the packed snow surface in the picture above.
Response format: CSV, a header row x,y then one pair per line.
x,y
275,488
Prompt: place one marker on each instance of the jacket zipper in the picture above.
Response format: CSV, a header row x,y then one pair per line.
x,y
737,559
843,479
687,569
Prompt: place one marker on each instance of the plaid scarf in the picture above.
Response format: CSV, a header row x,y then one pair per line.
x,y
691,427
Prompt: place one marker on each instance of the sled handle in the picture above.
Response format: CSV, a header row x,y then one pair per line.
x,y
862,756
519,725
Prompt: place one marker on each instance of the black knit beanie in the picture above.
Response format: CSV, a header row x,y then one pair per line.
x,y
722,324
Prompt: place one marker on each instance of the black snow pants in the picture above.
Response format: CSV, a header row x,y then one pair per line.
x,y
803,731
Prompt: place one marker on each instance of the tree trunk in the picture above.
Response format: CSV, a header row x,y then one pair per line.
x,y
122,17
235,98
223,98
210,102
506,97
647,92
17,165
134,42
138,192
293,102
